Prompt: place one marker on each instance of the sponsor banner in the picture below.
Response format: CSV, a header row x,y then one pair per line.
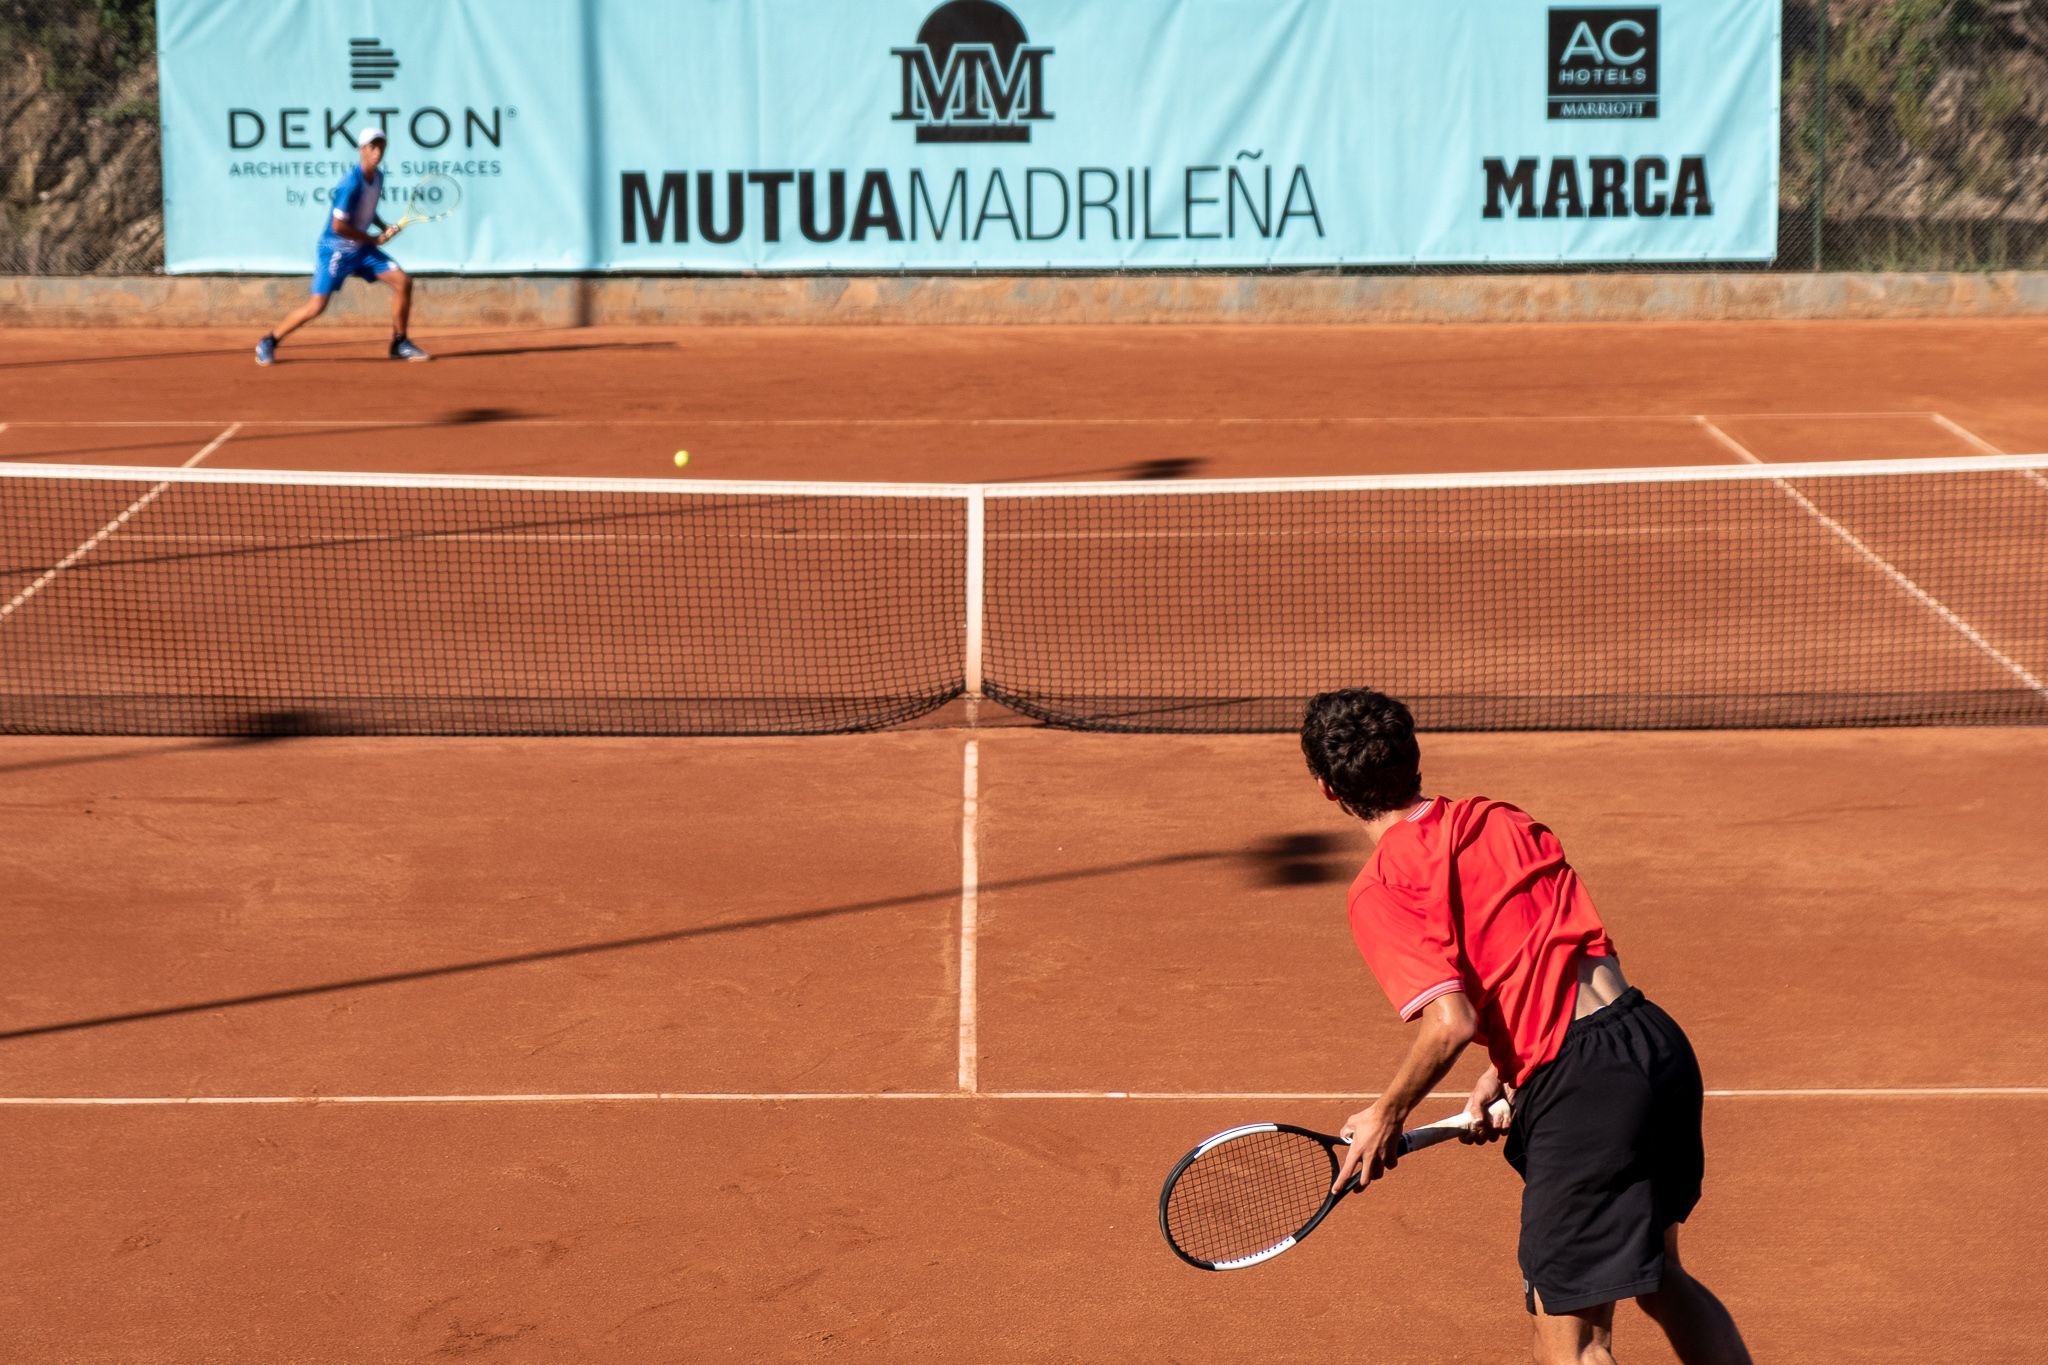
x,y
263,100
746,135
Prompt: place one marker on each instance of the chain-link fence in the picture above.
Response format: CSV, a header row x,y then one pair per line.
x,y
81,176
1915,136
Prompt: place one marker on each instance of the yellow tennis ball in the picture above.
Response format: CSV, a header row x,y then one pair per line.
x,y
682,458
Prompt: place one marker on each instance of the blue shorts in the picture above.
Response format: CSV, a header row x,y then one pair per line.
x,y
337,260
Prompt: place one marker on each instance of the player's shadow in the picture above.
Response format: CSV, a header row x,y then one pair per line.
x,y
335,721
1266,861
482,352
1137,471
241,352
358,351
456,356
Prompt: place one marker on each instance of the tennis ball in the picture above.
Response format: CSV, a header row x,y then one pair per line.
x,y
682,458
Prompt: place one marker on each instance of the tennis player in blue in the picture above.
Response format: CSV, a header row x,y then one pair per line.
x,y
348,247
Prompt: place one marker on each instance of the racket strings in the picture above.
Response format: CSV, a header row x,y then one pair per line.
x,y
432,197
1248,1194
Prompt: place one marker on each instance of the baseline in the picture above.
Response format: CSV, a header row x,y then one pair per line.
x,y
1362,419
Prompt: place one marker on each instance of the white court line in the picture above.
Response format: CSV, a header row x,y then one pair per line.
x,y
1254,535
1928,1092
1984,447
320,422
94,542
593,1097
970,914
246,421
1885,567
1345,1096
1292,420
685,418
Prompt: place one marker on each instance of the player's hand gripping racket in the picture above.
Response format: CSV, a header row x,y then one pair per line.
x,y
427,200
1248,1194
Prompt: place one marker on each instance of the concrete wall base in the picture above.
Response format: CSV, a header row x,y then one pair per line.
x,y
672,300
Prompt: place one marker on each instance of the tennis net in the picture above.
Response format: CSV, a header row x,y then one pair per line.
x,y
223,602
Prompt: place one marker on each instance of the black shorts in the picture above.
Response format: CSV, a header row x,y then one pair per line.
x,y
1606,1137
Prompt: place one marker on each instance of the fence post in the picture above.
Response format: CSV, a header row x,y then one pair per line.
x,y
1820,164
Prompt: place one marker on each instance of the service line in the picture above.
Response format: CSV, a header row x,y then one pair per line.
x,y
1926,1092
970,915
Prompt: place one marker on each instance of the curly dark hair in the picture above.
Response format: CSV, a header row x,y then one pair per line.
x,y
1362,745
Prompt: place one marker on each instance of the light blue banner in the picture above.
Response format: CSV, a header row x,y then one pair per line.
x,y
743,135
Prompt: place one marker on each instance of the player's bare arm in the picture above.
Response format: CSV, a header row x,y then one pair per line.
x,y
1447,1027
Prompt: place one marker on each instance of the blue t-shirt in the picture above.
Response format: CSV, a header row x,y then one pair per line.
x,y
355,203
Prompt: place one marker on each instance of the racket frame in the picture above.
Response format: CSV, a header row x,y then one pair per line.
x,y
1414,1140
1331,1147
408,218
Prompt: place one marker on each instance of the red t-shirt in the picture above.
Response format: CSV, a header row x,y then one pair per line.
x,y
1475,896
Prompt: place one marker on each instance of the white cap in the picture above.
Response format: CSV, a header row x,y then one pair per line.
x,y
369,135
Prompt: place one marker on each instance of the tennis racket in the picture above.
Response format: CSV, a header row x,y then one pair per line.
x,y
427,200
1248,1194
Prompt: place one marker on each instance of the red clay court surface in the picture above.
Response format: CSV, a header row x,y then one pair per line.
x,y
876,1048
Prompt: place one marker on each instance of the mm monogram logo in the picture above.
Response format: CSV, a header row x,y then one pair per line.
x,y
973,76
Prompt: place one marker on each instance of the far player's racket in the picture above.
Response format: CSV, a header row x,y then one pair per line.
x,y
427,200
1248,1194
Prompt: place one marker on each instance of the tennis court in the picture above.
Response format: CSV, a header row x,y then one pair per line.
x,y
875,1047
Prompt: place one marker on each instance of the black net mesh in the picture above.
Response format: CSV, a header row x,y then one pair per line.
x,y
214,602
235,608
1886,599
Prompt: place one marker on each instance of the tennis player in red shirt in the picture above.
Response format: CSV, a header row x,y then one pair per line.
x,y
1473,922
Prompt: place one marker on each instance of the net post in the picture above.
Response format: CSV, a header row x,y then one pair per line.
x,y
977,523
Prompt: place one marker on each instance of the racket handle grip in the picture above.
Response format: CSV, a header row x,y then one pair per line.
x,y
1443,1130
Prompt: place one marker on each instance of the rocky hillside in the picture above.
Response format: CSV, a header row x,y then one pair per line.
x,y
81,180
1932,141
